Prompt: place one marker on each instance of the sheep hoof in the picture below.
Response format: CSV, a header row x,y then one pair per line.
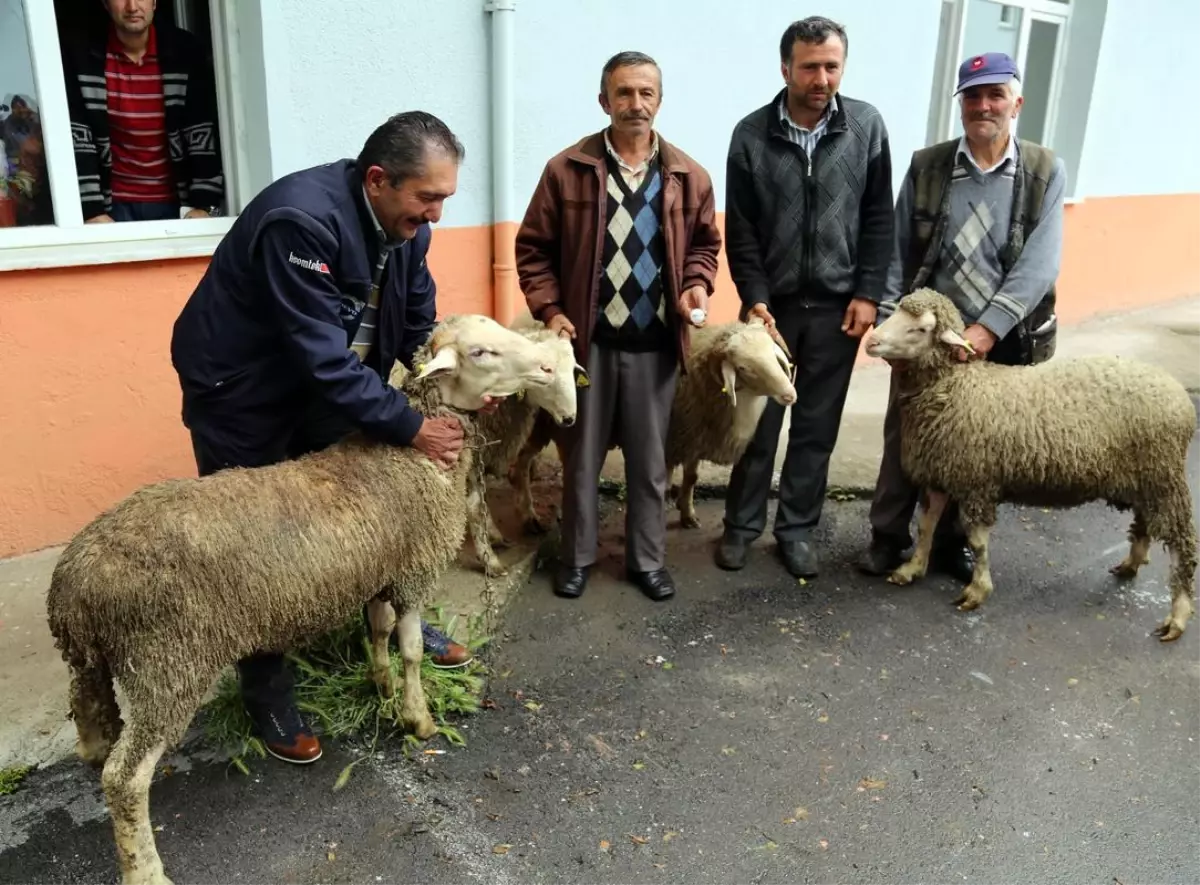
x,y
906,574
1125,569
495,569
535,526
423,727
147,877
382,679
972,597
689,521
1168,631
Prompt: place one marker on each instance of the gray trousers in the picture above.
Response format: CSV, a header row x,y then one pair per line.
x,y
628,402
824,357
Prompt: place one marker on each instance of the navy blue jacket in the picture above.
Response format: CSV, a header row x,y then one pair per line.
x,y
268,327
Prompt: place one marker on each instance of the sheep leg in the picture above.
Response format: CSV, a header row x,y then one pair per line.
x,y
126,781
414,710
687,500
95,711
980,588
477,519
382,619
495,536
1180,538
521,478
1182,582
1139,549
918,564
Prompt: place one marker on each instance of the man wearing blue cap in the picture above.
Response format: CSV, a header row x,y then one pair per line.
x,y
979,218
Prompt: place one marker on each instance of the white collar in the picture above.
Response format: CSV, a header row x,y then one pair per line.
x,y
1010,153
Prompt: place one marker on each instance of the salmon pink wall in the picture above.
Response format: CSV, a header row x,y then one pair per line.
x,y
96,412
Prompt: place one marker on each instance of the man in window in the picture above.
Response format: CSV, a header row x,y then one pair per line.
x,y
317,290
618,247
144,120
979,218
808,227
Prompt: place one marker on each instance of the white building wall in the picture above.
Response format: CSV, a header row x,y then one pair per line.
x,y
330,79
1143,126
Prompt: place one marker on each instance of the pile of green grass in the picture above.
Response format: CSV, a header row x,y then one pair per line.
x,y
334,689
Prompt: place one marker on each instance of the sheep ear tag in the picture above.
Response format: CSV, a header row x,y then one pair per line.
x,y
582,379
729,382
949,336
445,360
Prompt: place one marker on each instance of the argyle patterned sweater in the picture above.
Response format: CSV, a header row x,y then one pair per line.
x,y
631,312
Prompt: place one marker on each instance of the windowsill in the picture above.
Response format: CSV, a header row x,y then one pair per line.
x,y
47,246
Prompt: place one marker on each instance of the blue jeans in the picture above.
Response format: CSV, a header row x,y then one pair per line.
x,y
144,212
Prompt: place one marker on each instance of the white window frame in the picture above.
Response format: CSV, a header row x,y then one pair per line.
x,y
1042,10
71,243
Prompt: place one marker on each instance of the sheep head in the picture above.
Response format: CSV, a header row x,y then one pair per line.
x,y
926,327
559,398
472,357
753,361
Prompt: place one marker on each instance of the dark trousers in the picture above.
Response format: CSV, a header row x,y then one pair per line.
x,y
824,357
895,499
144,212
629,402
265,678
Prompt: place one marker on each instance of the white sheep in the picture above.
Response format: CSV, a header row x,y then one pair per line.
x,y
187,576
1058,434
732,370
503,433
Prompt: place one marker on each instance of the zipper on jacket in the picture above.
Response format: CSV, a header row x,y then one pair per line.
x,y
809,228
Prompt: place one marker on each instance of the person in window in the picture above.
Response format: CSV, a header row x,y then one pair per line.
x,y
143,110
997,202
319,288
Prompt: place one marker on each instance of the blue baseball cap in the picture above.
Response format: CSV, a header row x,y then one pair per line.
x,y
991,67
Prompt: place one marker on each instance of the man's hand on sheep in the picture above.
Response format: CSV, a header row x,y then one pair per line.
x,y
694,299
860,314
441,440
981,338
561,326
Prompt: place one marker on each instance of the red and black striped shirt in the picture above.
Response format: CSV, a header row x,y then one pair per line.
x,y
141,168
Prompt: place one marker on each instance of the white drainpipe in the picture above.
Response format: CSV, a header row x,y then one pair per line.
x,y
506,294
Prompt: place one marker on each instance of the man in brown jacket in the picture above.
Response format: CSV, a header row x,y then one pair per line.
x,y
618,251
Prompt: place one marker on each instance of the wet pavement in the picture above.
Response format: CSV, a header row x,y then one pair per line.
x,y
753,729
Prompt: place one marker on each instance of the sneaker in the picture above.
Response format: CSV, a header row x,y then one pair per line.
x,y
444,653
284,732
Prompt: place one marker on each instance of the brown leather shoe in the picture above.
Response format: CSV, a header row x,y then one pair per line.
x,y
303,750
284,732
444,653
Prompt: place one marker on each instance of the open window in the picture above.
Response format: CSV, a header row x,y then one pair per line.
x,y
41,191
1056,44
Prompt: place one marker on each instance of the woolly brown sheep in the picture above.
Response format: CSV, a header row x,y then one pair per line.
x,y
185,577
732,370
1058,434
504,432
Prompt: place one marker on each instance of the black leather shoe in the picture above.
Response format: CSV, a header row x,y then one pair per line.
x,y
883,557
571,582
955,560
657,584
731,554
799,558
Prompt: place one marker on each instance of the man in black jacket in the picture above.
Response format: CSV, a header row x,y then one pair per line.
x,y
143,109
285,346
808,234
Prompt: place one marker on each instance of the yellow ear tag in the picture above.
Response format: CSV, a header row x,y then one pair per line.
x,y
520,394
582,381
420,367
